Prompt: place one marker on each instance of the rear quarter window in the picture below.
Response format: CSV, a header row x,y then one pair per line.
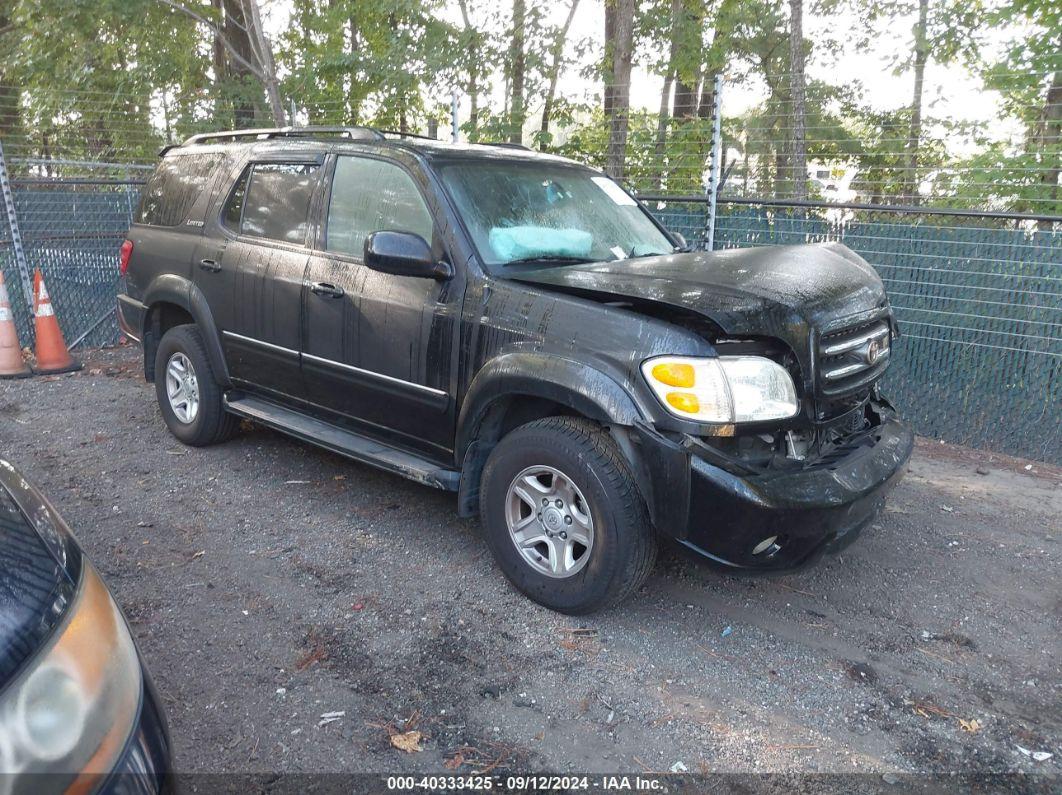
x,y
173,188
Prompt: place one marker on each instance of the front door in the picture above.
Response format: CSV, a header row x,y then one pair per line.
x,y
377,351
269,212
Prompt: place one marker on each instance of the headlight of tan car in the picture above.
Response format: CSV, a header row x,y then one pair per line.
x,y
71,711
725,389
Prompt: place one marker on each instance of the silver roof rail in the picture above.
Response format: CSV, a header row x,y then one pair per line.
x,y
265,133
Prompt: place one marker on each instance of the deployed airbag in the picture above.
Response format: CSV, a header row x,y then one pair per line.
x,y
523,242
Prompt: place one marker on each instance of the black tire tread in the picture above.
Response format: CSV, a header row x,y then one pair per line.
x,y
217,425
606,459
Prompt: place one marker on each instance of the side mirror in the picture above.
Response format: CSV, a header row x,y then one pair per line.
x,y
404,254
681,241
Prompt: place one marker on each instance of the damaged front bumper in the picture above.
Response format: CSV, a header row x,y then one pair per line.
x,y
817,506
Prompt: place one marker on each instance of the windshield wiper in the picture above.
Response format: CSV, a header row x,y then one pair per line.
x,y
633,255
549,258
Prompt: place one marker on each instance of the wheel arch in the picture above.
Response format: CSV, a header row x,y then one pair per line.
x,y
171,301
517,388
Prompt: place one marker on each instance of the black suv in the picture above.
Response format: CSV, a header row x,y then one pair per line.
x,y
517,328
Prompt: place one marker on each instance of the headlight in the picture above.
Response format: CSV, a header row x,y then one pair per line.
x,y
70,712
723,390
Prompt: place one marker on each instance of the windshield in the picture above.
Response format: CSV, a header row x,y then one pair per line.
x,y
545,214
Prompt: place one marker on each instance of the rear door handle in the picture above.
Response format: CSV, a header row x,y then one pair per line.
x,y
330,290
209,265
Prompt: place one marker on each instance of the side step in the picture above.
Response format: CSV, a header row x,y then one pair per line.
x,y
343,442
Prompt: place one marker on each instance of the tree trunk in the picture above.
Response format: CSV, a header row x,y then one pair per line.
x,y
914,135
263,49
707,98
688,42
660,149
218,61
608,61
516,73
234,30
797,89
662,116
554,70
1052,138
622,55
473,74
353,98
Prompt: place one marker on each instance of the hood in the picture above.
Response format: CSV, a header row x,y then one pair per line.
x,y
773,291
39,570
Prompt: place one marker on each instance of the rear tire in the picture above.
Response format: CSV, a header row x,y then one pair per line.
x,y
188,394
582,489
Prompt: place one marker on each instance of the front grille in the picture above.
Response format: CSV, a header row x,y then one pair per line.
x,y
852,358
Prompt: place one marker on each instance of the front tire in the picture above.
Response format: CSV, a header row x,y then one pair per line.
x,y
189,396
564,517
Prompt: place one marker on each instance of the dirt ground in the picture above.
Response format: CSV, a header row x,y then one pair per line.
x,y
269,583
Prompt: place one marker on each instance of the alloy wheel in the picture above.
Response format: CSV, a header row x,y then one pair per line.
x,y
549,521
182,388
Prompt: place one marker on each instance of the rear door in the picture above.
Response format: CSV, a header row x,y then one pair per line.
x,y
169,221
264,256
377,351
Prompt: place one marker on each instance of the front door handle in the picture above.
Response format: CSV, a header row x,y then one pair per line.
x,y
330,290
209,265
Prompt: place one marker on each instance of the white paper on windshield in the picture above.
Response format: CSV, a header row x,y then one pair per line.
x,y
613,191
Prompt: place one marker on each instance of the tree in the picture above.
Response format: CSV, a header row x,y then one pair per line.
x,y
84,77
664,112
943,32
914,134
517,72
797,89
1028,77
475,66
262,48
349,62
619,48
244,40
555,66
10,114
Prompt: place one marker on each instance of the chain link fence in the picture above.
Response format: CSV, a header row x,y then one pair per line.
x,y
978,295
72,216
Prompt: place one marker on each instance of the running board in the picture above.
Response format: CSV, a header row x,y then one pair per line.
x,y
348,444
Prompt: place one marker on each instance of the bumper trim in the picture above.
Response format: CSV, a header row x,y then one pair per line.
x,y
798,514
133,324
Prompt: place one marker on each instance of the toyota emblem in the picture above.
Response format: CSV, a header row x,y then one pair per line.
x,y
873,351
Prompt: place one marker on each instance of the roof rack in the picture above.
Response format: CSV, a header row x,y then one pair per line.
x,y
266,133
507,145
401,134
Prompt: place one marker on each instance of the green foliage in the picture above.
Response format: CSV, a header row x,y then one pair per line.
x,y
91,82
115,79
351,62
587,142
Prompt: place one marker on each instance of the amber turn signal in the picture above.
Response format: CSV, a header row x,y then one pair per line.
x,y
674,374
684,401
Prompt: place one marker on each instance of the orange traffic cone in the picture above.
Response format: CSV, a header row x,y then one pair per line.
x,y
11,363
52,354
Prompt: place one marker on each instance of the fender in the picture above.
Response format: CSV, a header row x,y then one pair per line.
x,y
580,386
172,289
577,385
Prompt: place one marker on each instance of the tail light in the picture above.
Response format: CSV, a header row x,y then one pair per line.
x,y
124,255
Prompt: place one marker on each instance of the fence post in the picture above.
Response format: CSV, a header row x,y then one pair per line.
x,y
16,237
716,159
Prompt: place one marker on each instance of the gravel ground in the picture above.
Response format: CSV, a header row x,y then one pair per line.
x,y
269,583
